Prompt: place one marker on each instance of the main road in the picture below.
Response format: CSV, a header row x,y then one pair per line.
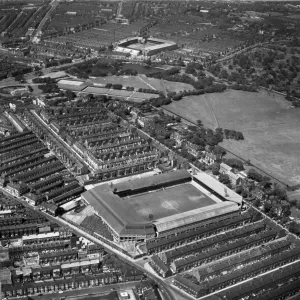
x,y
168,292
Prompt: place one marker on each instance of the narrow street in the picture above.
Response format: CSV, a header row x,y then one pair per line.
x,y
169,292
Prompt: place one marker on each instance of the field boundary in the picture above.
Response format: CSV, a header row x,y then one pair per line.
x,y
189,122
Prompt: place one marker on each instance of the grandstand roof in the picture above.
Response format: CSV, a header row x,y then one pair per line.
x,y
194,216
116,213
126,221
70,82
144,182
218,187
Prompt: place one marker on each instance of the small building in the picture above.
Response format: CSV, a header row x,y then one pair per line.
x,y
17,188
50,208
124,295
34,199
188,286
159,266
178,137
210,158
193,149
235,177
147,120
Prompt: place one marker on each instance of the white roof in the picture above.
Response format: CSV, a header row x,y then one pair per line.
x,y
225,166
71,204
40,236
4,212
218,187
55,74
70,82
80,263
196,215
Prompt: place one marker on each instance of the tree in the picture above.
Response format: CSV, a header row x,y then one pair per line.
x,y
148,62
215,168
70,95
117,86
224,178
294,227
279,192
20,78
252,174
219,151
257,203
267,206
239,136
178,119
235,163
199,123
285,209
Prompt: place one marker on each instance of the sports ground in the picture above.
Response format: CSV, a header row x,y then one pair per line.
x,y
168,202
269,124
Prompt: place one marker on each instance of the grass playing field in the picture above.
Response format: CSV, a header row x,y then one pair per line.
x,y
124,80
269,124
169,201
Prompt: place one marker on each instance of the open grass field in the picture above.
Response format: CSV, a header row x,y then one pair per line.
x,y
177,86
164,85
124,80
121,93
169,201
141,81
144,95
269,124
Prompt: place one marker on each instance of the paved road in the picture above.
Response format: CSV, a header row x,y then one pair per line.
x,y
38,32
168,292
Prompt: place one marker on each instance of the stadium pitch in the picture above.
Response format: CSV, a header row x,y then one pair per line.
x,y
169,201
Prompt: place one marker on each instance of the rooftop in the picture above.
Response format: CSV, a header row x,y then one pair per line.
x,y
195,215
213,184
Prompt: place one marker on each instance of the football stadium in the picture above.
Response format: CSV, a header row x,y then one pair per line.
x,y
147,47
140,209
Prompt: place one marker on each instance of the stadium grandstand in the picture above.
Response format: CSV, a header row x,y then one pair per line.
x,y
145,46
145,208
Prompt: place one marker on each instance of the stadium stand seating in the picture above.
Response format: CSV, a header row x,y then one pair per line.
x,y
95,224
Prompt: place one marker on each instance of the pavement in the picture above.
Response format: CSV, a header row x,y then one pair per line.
x,y
169,292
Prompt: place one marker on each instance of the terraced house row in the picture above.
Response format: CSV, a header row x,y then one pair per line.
x,y
72,162
213,257
29,170
39,256
106,145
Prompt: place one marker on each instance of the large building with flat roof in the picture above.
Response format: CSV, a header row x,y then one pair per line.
x,y
144,208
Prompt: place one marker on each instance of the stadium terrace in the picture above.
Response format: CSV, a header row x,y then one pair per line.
x,y
145,208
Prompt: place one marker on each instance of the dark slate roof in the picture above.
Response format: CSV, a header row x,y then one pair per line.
x,y
116,213
150,181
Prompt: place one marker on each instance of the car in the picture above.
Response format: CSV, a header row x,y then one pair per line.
x,y
60,292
